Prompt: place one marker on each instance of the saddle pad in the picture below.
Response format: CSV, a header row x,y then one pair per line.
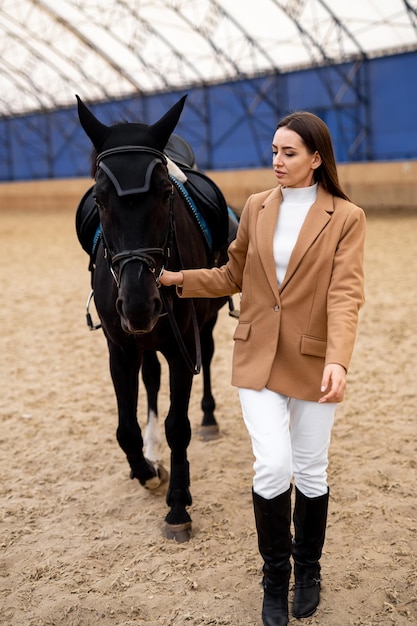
x,y
210,203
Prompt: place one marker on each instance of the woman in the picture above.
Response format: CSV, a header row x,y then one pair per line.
x,y
298,262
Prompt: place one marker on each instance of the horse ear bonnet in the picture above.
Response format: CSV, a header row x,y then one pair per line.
x,y
130,170
162,130
95,130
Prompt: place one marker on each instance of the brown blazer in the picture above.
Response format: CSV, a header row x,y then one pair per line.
x,y
286,334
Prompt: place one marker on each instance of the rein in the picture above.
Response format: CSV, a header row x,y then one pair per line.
x,y
147,256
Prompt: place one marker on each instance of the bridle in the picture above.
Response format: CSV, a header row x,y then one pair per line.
x,y
146,255
117,262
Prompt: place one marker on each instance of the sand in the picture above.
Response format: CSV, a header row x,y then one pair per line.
x,y
81,544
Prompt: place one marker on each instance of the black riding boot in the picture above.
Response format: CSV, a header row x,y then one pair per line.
x,y
310,518
273,519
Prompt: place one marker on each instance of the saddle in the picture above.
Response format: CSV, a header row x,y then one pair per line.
x,y
205,198
87,223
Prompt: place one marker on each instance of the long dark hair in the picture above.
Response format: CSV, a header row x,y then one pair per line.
x,y
316,137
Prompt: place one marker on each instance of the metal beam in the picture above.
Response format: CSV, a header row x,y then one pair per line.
x,y
104,53
360,112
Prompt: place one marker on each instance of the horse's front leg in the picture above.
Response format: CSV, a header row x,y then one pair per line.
x,y
209,428
178,435
125,363
151,375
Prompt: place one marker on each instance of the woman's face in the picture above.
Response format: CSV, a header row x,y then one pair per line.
x,y
293,164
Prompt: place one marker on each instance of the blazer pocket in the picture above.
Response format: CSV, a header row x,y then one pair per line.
x,y
313,346
242,331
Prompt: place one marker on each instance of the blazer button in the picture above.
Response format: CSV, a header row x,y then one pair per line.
x,y
276,307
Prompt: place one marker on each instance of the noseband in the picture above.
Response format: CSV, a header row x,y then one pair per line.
x,y
144,255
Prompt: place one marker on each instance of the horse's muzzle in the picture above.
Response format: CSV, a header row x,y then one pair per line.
x,y
138,316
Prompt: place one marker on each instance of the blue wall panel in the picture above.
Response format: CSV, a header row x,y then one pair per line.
x,y
231,125
394,111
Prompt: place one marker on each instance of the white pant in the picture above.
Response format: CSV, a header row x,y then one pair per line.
x,y
290,438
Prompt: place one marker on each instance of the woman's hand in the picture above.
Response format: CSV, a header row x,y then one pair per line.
x,y
168,278
334,380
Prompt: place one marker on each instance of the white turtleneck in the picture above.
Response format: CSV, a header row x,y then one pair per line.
x,y
296,202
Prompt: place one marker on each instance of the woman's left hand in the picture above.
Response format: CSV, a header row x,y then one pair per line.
x,y
334,380
168,278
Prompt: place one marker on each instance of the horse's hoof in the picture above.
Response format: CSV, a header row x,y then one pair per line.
x,y
160,479
209,433
180,532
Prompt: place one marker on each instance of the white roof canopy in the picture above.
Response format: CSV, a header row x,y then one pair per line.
x,y
102,49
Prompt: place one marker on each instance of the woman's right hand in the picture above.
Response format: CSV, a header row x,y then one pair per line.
x,y
168,278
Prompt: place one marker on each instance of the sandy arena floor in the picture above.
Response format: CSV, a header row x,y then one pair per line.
x,y
81,544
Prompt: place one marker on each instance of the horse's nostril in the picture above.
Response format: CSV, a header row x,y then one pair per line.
x,y
119,306
158,306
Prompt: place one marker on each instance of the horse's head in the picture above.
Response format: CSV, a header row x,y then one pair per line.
x,y
134,195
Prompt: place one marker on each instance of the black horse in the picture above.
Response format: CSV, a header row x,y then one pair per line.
x,y
146,224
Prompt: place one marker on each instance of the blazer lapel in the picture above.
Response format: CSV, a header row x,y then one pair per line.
x,y
265,230
316,219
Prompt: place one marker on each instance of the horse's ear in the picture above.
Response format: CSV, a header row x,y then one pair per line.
x,y
97,131
162,130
